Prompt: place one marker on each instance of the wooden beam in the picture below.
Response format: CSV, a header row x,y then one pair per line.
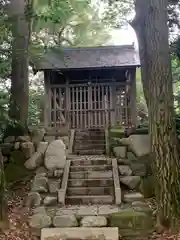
x,y
133,98
46,99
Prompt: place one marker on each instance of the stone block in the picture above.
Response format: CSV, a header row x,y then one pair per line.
x,y
54,185
125,170
131,156
94,221
131,182
120,151
139,144
49,139
6,148
65,221
33,199
37,136
50,200
41,171
138,169
23,139
39,221
106,210
40,184
35,161
9,139
87,210
27,149
42,147
131,222
80,233
131,197
147,186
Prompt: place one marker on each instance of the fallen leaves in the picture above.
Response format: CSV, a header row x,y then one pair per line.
x,y
18,215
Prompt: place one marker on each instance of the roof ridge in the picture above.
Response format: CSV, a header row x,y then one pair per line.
x,y
131,47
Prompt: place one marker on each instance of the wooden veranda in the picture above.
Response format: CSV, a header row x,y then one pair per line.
x,y
90,87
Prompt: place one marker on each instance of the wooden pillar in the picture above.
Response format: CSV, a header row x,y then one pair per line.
x,y
133,97
47,100
67,105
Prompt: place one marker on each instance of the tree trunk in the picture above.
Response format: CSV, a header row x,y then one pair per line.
x,y
151,27
3,203
20,62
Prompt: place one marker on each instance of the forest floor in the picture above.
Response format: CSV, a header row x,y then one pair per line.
x,y
18,228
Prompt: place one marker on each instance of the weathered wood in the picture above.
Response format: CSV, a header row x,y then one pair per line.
x,y
92,105
133,99
47,118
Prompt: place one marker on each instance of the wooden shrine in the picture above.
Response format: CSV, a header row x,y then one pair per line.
x,y
91,87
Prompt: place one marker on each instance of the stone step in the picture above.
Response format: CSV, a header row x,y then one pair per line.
x,y
90,152
90,168
93,162
93,199
85,146
90,182
89,140
91,175
90,191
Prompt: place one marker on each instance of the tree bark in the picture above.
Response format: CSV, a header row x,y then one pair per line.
x,y
151,27
20,62
3,203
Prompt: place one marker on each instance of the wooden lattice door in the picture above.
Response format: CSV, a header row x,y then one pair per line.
x,y
90,106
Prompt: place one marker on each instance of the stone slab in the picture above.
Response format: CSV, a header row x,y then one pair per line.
x,y
117,188
80,233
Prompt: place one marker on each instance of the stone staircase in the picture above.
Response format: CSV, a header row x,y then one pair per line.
x,y
89,142
90,182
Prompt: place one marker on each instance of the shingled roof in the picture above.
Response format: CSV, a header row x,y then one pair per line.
x,y
91,57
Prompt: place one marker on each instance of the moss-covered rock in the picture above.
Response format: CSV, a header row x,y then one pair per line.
x,y
131,223
147,186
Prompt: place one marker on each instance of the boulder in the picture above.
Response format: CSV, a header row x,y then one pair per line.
x,y
9,139
147,186
65,140
40,184
23,139
55,156
138,169
39,210
40,220
37,136
35,161
125,170
33,199
54,185
6,148
42,147
140,145
58,173
132,197
94,221
27,149
131,156
120,151
17,145
65,221
50,200
49,139
131,182
41,171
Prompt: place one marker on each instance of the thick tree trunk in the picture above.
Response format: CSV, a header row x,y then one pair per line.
x,y
151,27
3,203
20,63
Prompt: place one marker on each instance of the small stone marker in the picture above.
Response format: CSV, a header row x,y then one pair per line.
x,y
110,233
